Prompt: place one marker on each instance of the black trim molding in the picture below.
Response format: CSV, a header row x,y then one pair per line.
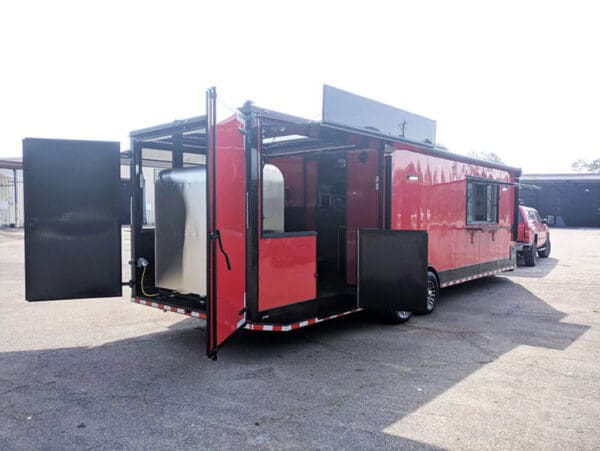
x,y
473,270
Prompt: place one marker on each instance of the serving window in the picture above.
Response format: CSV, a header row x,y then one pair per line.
x,y
273,189
482,202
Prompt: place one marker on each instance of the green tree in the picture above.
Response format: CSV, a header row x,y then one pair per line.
x,y
584,166
487,156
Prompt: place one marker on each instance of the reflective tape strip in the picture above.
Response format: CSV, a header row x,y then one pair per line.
x,y
477,276
169,308
298,325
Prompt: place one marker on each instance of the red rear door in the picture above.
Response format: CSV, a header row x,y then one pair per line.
x,y
226,227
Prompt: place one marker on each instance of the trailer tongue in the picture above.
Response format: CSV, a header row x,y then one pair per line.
x,y
268,221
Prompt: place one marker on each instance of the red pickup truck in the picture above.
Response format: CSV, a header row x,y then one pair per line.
x,y
534,236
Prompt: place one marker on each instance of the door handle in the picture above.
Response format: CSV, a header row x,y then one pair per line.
x,y
217,236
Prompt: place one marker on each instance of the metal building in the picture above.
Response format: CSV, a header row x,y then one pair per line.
x,y
573,199
11,193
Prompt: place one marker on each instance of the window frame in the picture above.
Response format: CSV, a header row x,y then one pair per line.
x,y
494,199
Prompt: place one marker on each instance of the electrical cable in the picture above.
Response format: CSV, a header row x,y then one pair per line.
x,y
233,110
142,283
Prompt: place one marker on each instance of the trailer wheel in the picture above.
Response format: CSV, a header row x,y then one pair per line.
x,y
545,253
530,254
433,294
398,316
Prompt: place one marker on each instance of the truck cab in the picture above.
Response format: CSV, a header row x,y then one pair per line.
x,y
533,236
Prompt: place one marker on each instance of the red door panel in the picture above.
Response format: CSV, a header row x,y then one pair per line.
x,y
226,220
362,200
231,222
286,270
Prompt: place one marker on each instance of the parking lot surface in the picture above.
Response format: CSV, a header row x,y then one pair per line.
x,y
507,362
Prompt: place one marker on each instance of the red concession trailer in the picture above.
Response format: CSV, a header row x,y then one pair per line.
x,y
267,221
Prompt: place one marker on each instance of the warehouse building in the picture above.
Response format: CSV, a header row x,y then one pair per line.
x,y
11,193
572,199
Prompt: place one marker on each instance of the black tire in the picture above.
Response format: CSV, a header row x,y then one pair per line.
x,y
545,253
397,317
433,294
530,255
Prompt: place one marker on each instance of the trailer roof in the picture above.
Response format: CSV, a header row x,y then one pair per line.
x,y
561,177
195,123
11,163
187,134
315,134
344,114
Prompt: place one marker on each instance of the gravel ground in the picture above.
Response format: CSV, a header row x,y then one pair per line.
x,y
508,362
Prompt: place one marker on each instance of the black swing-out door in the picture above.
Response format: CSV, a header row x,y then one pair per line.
x,y
392,269
72,227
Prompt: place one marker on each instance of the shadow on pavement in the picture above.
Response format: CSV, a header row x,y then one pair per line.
x,y
337,384
543,267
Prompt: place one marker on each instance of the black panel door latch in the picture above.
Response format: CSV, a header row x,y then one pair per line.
x,y
217,236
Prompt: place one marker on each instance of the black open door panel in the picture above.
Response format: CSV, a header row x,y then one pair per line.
x,y
72,227
392,269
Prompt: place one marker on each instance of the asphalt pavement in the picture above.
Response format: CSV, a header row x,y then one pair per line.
x,y
505,362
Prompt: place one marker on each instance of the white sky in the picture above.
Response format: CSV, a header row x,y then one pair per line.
x,y
519,78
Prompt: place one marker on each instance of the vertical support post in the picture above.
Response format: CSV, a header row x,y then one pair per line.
x,y
381,185
388,191
515,225
16,195
177,155
211,223
252,183
136,206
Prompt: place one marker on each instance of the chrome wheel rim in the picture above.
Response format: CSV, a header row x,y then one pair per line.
x,y
431,294
403,314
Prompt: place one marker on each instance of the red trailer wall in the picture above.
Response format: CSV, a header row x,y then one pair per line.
x,y
436,202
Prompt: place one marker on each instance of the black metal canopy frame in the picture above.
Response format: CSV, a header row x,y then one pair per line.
x,y
344,114
187,135
284,134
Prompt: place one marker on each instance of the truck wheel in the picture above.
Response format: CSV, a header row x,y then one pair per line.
x,y
398,316
545,253
433,294
530,254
